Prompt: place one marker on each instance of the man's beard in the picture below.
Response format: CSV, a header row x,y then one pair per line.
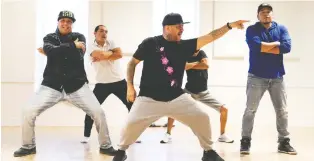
x,y
171,37
266,23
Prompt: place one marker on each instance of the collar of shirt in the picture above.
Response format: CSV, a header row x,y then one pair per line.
x,y
106,45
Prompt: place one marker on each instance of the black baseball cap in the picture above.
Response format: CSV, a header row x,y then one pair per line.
x,y
173,19
264,5
66,14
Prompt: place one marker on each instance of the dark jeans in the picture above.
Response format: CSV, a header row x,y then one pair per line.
x,y
102,91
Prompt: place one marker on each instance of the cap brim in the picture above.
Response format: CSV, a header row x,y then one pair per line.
x,y
269,7
185,22
73,19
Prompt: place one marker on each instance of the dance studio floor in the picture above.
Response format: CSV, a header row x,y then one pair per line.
x,y
63,144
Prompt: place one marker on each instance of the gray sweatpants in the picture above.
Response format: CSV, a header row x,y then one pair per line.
x,y
256,87
185,109
47,97
206,98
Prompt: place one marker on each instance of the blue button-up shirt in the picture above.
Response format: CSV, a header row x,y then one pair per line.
x,y
267,65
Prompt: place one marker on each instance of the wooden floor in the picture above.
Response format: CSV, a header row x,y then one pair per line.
x,y
63,144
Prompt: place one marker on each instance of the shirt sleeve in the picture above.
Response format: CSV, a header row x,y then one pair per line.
x,y
189,47
201,55
143,49
112,44
52,47
253,40
285,40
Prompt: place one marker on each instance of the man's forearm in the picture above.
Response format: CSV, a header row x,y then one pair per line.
x,y
267,46
115,56
190,65
131,72
217,33
200,66
101,55
212,36
274,50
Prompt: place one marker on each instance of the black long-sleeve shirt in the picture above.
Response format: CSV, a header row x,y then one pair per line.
x,y
65,63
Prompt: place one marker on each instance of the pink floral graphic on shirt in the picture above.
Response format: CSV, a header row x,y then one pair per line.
x,y
169,70
162,49
164,60
173,82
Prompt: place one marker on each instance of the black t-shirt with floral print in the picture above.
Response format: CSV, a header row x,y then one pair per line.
x,y
163,66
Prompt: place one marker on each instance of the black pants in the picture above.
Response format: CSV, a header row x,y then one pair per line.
x,y
102,91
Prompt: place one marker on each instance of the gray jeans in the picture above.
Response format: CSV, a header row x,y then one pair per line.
x,y
256,87
47,97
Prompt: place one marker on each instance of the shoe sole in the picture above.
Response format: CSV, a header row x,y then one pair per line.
x,y
226,141
155,126
163,142
22,155
290,153
110,154
167,126
245,152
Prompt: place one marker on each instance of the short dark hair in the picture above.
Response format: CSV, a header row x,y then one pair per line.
x,y
97,27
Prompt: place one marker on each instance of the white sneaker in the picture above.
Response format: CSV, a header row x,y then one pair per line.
x,y
85,140
225,138
167,138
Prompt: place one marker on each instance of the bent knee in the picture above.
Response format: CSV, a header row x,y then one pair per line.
x,y
30,113
95,113
203,117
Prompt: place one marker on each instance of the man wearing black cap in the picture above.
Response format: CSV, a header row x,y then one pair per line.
x,y
164,58
64,78
268,41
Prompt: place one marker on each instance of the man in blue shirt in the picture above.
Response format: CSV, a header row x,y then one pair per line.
x,y
268,41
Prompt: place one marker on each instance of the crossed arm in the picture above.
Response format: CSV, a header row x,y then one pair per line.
x,y
51,46
197,65
113,54
282,46
270,47
98,55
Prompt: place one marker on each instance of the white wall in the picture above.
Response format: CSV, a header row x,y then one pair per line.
x,y
129,22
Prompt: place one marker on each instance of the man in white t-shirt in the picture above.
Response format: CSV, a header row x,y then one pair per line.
x,y
105,58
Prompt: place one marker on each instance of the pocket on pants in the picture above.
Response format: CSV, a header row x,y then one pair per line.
x,y
255,81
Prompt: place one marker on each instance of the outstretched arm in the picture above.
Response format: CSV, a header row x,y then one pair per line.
x,y
217,33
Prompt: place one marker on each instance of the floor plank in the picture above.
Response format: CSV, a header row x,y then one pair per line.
x,y
63,144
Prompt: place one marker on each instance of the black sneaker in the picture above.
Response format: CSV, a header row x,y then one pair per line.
x,y
23,152
211,156
166,125
154,125
110,151
245,146
120,156
285,147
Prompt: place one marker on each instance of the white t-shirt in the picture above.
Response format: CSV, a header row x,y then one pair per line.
x,y
107,71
